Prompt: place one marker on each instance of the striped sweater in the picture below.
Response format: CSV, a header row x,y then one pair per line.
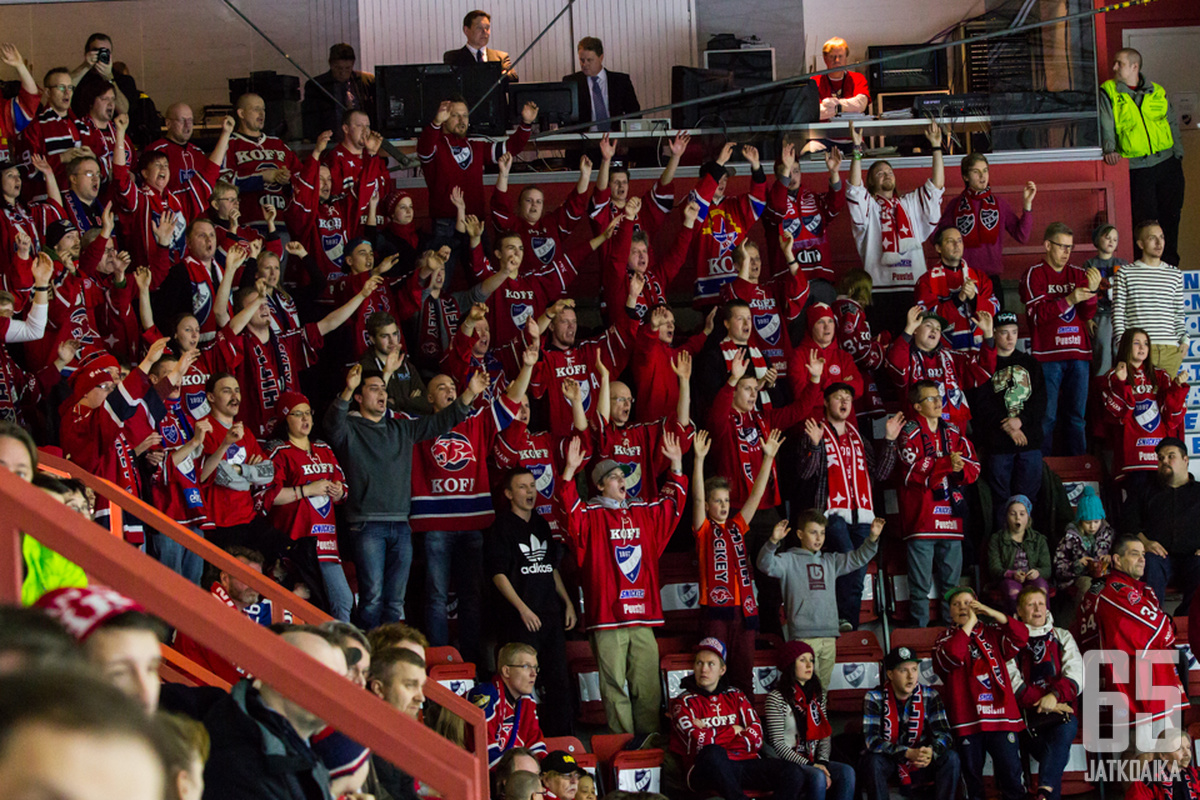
x,y
1151,298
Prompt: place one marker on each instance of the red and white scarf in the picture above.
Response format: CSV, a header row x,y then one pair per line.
x,y
978,221
911,736
727,572
846,464
811,724
894,228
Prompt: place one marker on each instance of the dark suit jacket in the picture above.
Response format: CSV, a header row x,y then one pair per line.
x,y
462,57
319,112
622,99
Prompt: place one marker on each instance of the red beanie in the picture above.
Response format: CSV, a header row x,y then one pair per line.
x,y
817,312
81,610
790,652
92,373
288,401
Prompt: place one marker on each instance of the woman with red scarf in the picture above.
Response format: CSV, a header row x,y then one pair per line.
x,y
1141,405
798,729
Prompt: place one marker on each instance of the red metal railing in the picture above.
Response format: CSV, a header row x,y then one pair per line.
x,y
453,772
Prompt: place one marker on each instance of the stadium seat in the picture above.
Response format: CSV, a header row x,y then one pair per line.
x,y
458,678
674,668
856,671
445,654
585,677
575,747
629,770
919,640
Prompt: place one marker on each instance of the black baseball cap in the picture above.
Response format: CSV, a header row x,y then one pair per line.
x,y
562,763
898,656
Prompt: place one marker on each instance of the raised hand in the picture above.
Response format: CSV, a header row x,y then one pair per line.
x,y
529,113
815,366
691,212
786,242
574,455
877,527
815,430
457,199
710,321
10,55
934,135
679,144
856,135
833,161
67,349
632,207
681,365
41,164
737,367
295,248
779,531
1122,371
601,367
42,270
1030,193
701,444
474,226
585,166
228,125
913,320
164,229
750,153
442,114
324,137
504,163
24,243
156,350
985,323
726,153
269,213
571,391
770,445
354,377
672,449
637,282
373,283
608,148
478,383
893,426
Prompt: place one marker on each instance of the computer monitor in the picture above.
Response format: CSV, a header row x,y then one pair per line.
x,y
557,101
407,96
691,83
908,71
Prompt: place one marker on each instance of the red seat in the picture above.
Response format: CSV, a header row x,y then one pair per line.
x,y
458,678
674,667
630,770
920,640
855,672
442,655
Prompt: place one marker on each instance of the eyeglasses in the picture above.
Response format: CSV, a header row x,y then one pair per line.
x,y
64,88
1065,247
533,668
929,399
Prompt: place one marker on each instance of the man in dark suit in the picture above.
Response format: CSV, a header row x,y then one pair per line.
x,y
602,93
477,27
354,90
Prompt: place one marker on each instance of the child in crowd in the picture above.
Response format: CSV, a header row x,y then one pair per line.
x,y
730,612
1082,555
1106,261
1018,556
809,579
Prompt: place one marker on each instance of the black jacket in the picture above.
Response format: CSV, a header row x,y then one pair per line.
x,y
1167,516
256,754
462,57
622,98
319,111
989,406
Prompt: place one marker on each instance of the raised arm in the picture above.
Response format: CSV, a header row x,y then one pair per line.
x,y
679,146
700,447
233,260
585,175
607,151
681,365
143,278
517,389
12,56
856,158
603,398
217,156
934,134
770,448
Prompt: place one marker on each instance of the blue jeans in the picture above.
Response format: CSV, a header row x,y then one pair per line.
x,y
841,788
1006,763
175,556
923,556
1009,474
943,773
341,600
842,537
1066,386
460,553
1052,749
383,555
1182,569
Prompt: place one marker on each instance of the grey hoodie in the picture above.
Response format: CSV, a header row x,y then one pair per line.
x,y
377,457
809,582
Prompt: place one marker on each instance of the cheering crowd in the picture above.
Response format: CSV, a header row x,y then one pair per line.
x,y
335,381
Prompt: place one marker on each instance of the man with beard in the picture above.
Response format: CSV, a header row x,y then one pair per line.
x,y
956,291
889,228
844,484
261,166
907,733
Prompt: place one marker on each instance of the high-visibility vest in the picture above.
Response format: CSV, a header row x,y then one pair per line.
x,y
1144,129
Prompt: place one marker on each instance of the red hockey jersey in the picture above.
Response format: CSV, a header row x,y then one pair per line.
x,y
637,448
937,290
701,718
975,684
1140,411
542,239
228,506
308,516
772,307
449,161
929,487
1058,330
617,549
805,216
854,336
723,225
954,372
451,490
245,162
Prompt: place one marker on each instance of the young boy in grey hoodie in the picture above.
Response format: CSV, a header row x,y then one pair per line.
x,y
809,579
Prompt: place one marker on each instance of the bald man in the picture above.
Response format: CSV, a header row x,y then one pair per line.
x,y
260,736
261,166
183,156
